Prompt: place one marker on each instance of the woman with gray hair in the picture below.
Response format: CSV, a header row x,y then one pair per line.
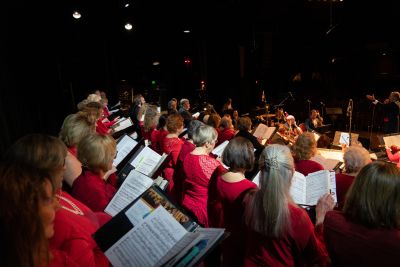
x,y
198,168
355,158
279,232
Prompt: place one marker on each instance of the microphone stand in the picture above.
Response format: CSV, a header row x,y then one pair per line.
x,y
372,126
350,116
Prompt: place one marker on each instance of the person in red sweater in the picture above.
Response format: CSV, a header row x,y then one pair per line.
x,y
27,211
151,116
304,149
96,152
158,135
198,168
393,154
225,195
279,232
355,158
226,132
187,147
172,145
74,223
367,232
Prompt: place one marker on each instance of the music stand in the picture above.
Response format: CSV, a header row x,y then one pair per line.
x,y
343,138
389,140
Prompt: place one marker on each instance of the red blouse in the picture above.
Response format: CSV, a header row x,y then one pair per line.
x,y
225,134
352,244
225,210
101,128
156,139
343,183
299,247
393,157
74,225
92,190
307,166
171,146
198,170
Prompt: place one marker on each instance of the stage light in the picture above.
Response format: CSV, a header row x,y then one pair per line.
x,y
156,63
76,15
127,5
186,31
128,26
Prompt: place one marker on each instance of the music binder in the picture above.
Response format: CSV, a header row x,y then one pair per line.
x,y
125,148
153,231
264,132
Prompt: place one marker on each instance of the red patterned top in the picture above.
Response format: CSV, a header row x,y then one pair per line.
x,y
198,170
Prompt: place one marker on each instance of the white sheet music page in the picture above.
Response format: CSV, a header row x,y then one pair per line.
x,y
219,149
147,242
123,125
133,186
298,188
317,184
146,161
124,146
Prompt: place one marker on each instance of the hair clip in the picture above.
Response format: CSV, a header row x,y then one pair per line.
x,y
272,162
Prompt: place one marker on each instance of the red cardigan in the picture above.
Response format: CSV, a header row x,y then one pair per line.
x,y
300,247
307,166
352,244
225,134
92,190
225,210
171,146
72,241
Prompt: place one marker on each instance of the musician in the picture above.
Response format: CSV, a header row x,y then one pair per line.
x,y
313,121
291,126
279,117
391,109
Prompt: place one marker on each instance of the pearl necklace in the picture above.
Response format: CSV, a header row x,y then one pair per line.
x,y
75,209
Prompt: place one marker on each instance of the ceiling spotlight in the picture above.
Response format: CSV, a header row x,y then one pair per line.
x,y
127,5
128,26
156,63
186,31
76,15
383,54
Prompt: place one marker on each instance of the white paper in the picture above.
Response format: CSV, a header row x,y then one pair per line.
x,y
219,149
148,242
298,188
256,179
344,139
124,146
133,186
212,235
138,211
391,140
146,161
123,125
263,131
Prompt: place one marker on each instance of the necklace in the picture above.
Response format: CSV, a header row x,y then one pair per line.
x,y
75,209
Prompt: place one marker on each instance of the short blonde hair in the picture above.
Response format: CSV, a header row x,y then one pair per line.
x,y
151,116
93,98
355,157
74,128
305,146
96,151
204,134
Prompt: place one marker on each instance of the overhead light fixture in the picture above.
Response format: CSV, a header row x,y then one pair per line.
x,y
156,63
127,5
186,31
76,15
128,26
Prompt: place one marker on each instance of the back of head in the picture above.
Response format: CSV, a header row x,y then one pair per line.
x,y
93,98
226,122
137,100
150,117
268,213
238,155
97,151
174,123
193,125
394,96
305,146
74,128
21,229
374,197
204,134
244,124
214,120
355,157
42,152
183,102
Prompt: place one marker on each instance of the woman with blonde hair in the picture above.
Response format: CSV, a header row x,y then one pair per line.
x,y
367,232
303,150
279,232
96,152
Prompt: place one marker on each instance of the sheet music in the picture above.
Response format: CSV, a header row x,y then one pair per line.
x,y
148,242
298,188
124,146
220,149
332,185
331,154
146,161
344,138
263,131
123,124
317,184
391,140
256,179
211,235
133,186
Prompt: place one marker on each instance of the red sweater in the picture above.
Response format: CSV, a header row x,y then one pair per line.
x,y
307,166
299,247
72,241
171,146
352,244
92,190
156,139
225,210
343,183
225,134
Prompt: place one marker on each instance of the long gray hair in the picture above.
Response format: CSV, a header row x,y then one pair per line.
x,y
268,212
